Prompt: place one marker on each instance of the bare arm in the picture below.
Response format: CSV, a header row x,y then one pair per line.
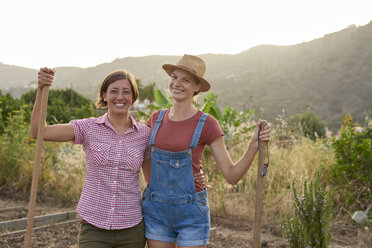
x,y
234,172
146,169
59,132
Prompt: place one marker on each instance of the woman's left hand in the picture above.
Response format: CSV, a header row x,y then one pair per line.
x,y
265,134
199,177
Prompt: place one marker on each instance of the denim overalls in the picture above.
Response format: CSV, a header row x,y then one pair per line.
x,y
172,210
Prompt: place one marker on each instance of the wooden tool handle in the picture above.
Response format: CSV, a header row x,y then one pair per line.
x,y
37,159
259,191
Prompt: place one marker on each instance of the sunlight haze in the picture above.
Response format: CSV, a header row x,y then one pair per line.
x,y
87,33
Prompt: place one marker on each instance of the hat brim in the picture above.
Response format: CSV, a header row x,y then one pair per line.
x,y
168,68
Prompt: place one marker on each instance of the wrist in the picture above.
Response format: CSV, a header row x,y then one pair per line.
x,y
253,147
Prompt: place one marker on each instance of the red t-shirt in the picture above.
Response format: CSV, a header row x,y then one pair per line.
x,y
175,136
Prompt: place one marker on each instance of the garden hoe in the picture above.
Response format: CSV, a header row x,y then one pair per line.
x,y
261,172
37,159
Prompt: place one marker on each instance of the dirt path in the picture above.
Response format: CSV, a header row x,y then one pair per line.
x,y
225,233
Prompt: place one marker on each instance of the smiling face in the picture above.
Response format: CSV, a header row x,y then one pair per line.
x,y
183,85
119,96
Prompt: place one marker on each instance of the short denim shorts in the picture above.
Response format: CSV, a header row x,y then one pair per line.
x,y
182,220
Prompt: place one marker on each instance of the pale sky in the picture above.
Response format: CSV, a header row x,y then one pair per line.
x,y
85,33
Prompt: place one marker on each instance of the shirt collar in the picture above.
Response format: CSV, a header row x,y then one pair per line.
x,y
104,120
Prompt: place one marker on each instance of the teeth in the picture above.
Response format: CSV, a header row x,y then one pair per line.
x,y
177,91
119,104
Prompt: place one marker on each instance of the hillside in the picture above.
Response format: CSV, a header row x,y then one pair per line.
x,y
332,75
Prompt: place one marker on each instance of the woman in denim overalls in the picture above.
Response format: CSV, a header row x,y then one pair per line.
x,y
175,213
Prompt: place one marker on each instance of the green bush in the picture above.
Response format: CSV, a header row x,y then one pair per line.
x,y
307,124
352,172
17,155
63,105
61,172
147,91
7,105
313,214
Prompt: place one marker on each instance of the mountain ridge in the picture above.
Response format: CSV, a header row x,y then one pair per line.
x,y
331,75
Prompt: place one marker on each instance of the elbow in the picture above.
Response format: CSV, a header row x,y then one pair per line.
x,y
34,136
233,181
33,133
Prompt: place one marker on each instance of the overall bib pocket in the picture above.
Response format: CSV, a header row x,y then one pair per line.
x,y
171,173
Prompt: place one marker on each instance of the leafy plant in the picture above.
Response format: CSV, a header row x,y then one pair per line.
x,y
147,91
307,124
352,172
232,122
7,105
313,213
63,105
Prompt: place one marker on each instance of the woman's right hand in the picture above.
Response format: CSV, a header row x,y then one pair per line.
x,y
45,77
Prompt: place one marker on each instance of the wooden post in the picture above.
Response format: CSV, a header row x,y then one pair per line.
x,y
37,159
259,191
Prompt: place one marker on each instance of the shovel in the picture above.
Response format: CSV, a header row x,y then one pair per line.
x,y
361,216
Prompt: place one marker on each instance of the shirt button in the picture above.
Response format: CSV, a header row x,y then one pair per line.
x,y
120,141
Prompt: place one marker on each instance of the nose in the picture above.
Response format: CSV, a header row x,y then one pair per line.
x,y
176,82
120,95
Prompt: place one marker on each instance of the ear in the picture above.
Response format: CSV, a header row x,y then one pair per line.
x,y
104,96
197,88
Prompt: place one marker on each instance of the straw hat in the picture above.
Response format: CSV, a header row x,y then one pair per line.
x,y
193,65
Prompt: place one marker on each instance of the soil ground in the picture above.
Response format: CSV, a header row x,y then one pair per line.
x,y
225,232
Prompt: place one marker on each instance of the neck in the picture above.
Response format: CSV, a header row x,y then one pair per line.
x,y
181,111
121,123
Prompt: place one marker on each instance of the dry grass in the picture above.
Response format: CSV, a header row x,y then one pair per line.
x,y
298,162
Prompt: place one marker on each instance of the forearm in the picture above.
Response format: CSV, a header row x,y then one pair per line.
x,y
231,171
34,125
238,170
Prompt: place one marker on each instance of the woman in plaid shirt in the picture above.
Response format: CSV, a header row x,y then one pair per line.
x,y
116,147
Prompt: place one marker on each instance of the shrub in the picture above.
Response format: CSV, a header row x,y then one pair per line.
x,y
313,213
352,172
17,155
7,105
63,105
308,125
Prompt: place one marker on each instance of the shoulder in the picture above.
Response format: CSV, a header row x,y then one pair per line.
x,y
210,120
85,121
143,128
154,116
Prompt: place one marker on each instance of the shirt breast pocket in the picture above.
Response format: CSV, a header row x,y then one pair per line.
x,y
134,159
100,153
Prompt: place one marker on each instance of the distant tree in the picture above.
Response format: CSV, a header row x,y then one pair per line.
x,y
63,105
147,91
8,104
307,124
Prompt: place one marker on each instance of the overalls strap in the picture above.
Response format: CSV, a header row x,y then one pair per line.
x,y
156,128
198,130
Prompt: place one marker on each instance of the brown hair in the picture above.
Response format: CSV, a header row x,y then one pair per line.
x,y
112,77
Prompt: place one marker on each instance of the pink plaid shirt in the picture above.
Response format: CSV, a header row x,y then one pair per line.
x,y
111,198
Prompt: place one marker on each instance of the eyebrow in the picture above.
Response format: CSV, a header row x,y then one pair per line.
x,y
116,88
